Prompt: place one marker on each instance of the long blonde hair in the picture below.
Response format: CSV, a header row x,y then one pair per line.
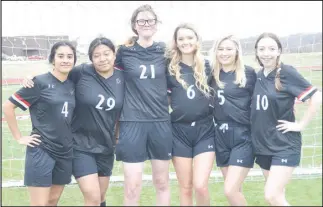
x,y
239,65
175,56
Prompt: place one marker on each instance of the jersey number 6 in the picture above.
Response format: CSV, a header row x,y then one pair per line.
x,y
190,92
143,74
110,103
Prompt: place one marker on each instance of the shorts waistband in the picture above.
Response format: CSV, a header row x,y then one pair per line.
x,y
208,119
230,124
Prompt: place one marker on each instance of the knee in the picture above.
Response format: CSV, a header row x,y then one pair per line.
x,y
53,200
132,191
186,190
201,189
161,184
92,197
271,196
102,197
230,191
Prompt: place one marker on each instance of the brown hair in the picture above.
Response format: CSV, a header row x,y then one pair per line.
x,y
130,41
278,85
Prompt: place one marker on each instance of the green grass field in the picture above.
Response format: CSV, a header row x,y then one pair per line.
x,y
299,192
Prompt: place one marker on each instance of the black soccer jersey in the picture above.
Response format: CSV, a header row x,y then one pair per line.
x,y
98,105
51,104
145,82
188,105
232,103
270,105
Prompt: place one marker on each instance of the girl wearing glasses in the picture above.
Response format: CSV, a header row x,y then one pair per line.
x,y
145,129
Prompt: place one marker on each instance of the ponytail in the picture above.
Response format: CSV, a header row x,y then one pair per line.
x,y
131,41
278,84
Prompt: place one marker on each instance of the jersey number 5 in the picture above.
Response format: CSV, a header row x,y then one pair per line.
x,y
110,103
143,74
65,108
221,97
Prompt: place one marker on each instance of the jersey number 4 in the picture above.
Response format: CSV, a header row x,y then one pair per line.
x,y
65,109
143,74
110,103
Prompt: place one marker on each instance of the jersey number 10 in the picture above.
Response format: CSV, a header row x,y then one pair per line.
x,y
264,102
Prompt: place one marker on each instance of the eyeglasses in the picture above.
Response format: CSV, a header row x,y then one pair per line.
x,y
142,22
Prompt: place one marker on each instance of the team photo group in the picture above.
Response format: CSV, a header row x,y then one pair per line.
x,y
166,103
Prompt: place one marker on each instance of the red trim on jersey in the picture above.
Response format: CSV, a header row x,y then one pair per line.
x,y
304,92
21,99
119,68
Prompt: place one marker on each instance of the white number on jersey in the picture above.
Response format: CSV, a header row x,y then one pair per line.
x,y
190,92
110,103
264,102
221,97
65,108
144,70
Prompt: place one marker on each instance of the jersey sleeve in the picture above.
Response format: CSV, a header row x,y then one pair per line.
x,y
76,73
118,62
294,83
208,72
25,97
251,76
169,81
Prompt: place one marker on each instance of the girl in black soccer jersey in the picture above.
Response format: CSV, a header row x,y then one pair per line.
x,y
99,91
233,85
145,129
276,135
51,102
189,75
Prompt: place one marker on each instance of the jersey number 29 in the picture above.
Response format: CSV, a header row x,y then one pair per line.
x,y
110,103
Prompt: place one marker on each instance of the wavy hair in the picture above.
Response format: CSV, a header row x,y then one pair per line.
x,y
175,56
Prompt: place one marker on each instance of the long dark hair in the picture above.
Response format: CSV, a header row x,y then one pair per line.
x,y
278,85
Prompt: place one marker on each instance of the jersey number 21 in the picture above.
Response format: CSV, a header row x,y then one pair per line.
x,y
144,75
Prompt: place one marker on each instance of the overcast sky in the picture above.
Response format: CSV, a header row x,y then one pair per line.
x,y
88,19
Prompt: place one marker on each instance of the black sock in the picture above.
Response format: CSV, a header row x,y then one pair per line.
x,y
103,203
